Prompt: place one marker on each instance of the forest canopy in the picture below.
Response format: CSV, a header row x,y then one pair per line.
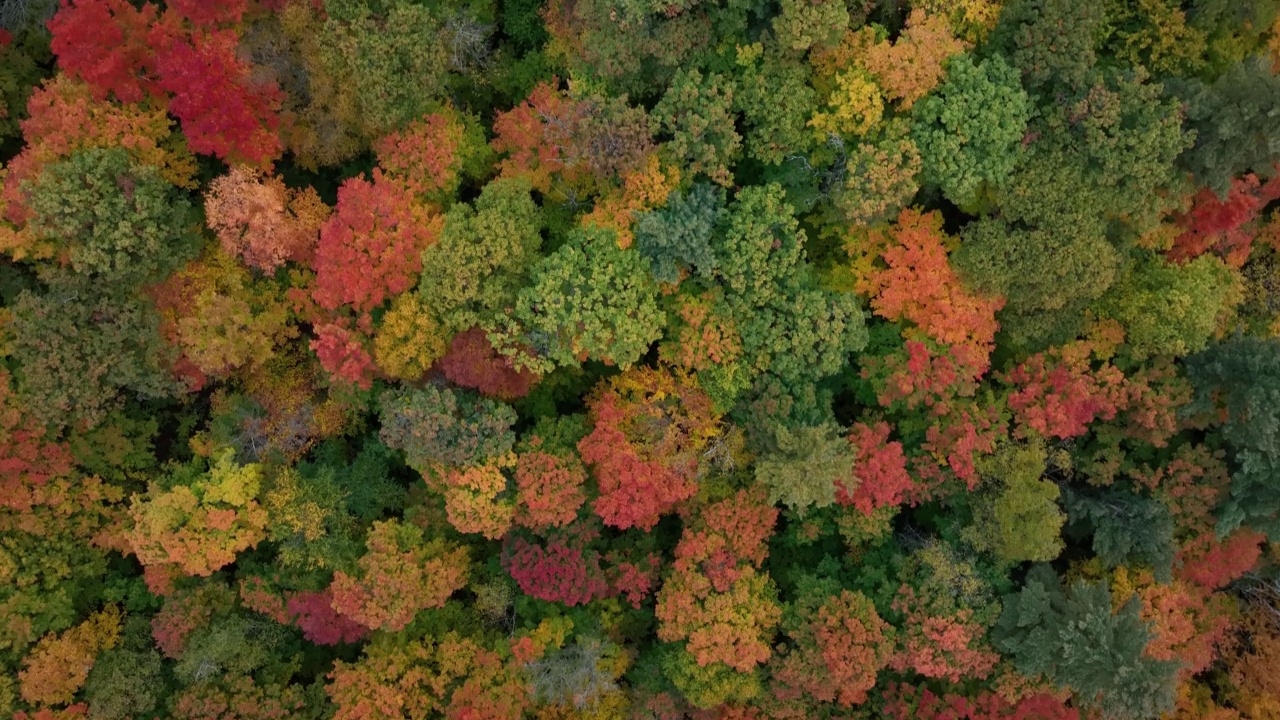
x,y
640,359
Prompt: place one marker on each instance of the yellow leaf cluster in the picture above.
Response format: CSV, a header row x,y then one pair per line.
x,y
410,339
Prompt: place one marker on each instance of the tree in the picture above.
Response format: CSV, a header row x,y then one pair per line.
x,y
1226,225
773,95
29,455
697,112
472,362
475,270
549,487
410,339
241,698
431,154
398,679
371,247
790,326
1127,530
1078,641
677,238
385,77
64,118
224,110
262,221
105,43
125,681
476,498
806,466
840,645
1239,377
910,703
649,428
880,175
1172,309
589,299
880,469
1019,519
939,645
1058,393
970,132
800,26
77,350
1105,159
715,599
1231,137
913,66
436,426
1047,276
919,286
220,319
855,107
562,571
115,220
201,524
400,574
1054,43
57,666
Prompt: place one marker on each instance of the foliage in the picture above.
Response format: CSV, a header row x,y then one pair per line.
x,y
400,574
1075,638
590,299
591,359
970,132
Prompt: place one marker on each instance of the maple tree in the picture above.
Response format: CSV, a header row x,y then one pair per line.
x,y
911,67
841,643
58,665
261,220
200,526
224,110
105,43
451,677
400,573
648,429
370,247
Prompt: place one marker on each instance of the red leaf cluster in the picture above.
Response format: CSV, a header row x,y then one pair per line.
x,y
881,470
1057,393
1227,227
556,573
472,362
371,247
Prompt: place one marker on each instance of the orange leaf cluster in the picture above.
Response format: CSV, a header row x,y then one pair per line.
x,y
399,575
262,221
57,666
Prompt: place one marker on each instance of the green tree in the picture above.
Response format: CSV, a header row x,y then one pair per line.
x,y
589,299
1242,378
776,102
1053,42
438,426
1234,123
387,59
1018,519
697,111
475,269
678,236
1170,309
805,465
1102,159
1047,276
1127,529
118,221
78,349
970,131
1074,638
